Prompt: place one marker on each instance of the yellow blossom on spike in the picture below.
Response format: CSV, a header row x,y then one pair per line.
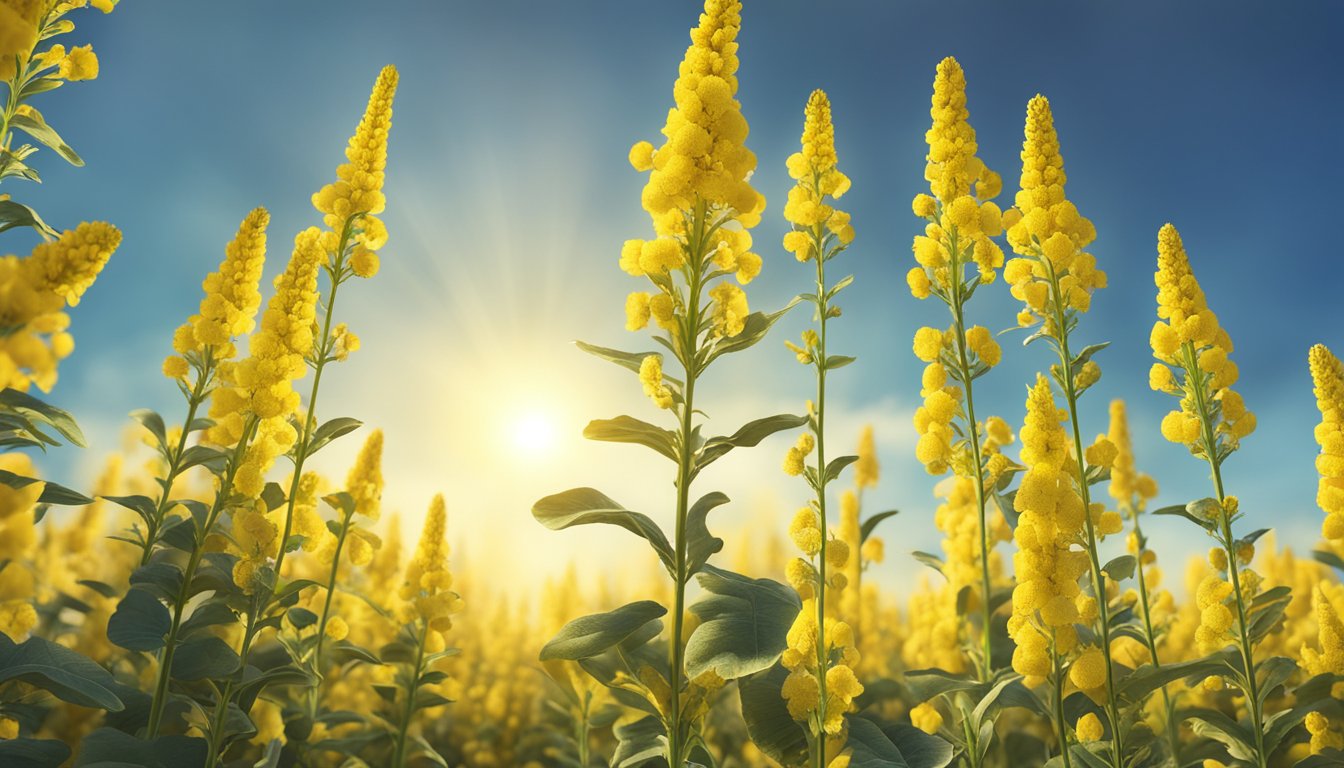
x,y
651,376
866,468
814,168
1328,377
79,63
1088,728
702,157
427,586
261,386
1188,337
365,481
358,188
926,718
231,296
70,264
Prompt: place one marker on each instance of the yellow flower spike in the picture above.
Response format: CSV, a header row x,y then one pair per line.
x,y
358,189
365,481
866,469
1327,375
261,385
703,156
651,376
232,298
67,266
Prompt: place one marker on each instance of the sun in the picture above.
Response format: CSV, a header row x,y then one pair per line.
x,y
533,432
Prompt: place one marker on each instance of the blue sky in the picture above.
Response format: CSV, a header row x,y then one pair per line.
x,y
509,196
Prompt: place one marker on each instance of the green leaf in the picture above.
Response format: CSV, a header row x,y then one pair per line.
x,y
838,361
139,623
205,658
1329,558
754,329
871,523
1196,512
51,492
161,578
700,543
31,407
627,360
1215,725
743,624
110,748
637,742
1009,692
894,746
627,429
33,125
771,728
301,618
1137,685
1082,357
587,506
837,465
931,560
1276,671
924,684
33,753
13,214
59,671
140,505
590,635
749,436
330,431
1120,568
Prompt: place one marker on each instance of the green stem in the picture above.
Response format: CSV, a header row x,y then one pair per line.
x,y
164,672
408,712
690,334
823,652
1061,725
1084,491
1150,639
1251,687
315,693
957,305
198,394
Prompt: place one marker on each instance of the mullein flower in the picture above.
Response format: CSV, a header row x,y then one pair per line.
x,y
822,652
231,298
1188,338
426,590
261,385
1047,566
961,221
1328,376
34,291
1211,422
1056,277
356,197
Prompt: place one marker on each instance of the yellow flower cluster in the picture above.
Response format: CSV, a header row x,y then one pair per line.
x,y
18,32
958,517
1328,376
1056,276
814,168
18,537
866,470
231,299
427,587
1190,339
961,217
651,376
935,629
357,194
261,386
703,158
34,291
364,483
942,402
1130,488
1047,599
1328,604
795,458
1215,591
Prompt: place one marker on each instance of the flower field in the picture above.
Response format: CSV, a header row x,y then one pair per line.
x,y
233,587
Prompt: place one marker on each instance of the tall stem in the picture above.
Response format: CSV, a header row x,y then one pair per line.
x,y
823,652
1252,687
957,305
690,335
408,712
1150,639
194,401
1084,491
164,672
1061,725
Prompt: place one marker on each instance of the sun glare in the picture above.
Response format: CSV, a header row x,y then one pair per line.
x,y
534,432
